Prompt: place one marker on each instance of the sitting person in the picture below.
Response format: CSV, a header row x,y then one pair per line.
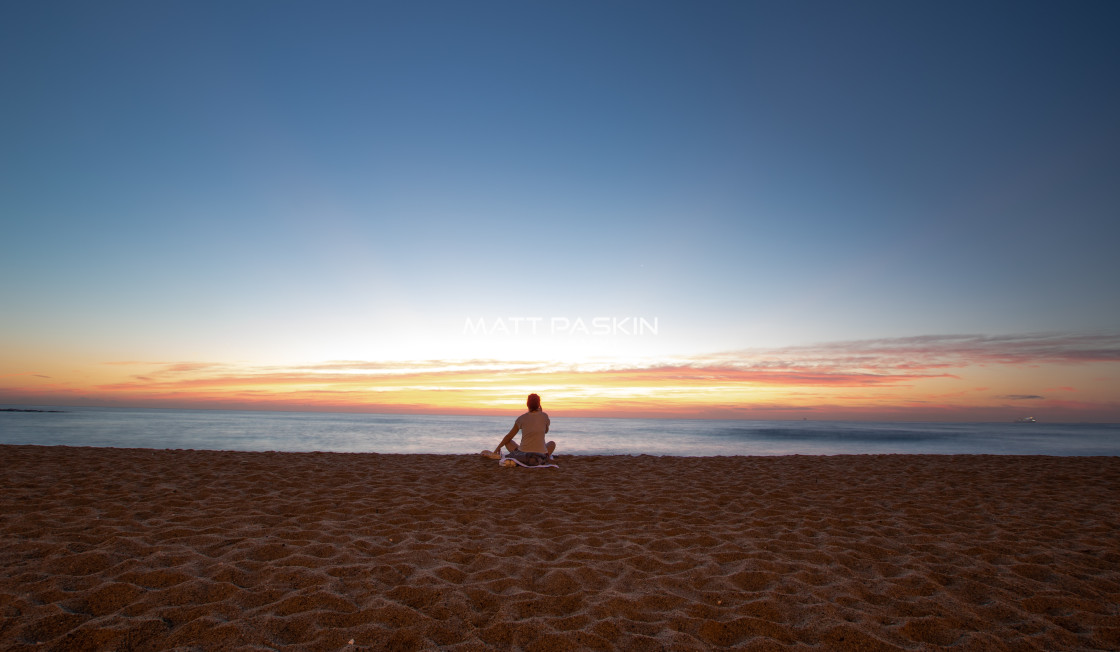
x,y
533,425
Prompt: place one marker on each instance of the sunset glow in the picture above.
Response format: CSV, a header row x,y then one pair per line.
x,y
907,379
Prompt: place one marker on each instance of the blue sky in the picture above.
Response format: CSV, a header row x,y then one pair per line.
x,y
294,181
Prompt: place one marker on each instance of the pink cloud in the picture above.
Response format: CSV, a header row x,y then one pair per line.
x,y
863,363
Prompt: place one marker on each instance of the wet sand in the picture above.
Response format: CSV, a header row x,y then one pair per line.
x,y
143,549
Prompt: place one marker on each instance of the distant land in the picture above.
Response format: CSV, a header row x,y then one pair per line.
x,y
19,410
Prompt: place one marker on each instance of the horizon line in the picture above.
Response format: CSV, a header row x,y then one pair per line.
x,y
577,415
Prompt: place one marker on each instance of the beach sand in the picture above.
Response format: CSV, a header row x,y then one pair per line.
x,y
149,549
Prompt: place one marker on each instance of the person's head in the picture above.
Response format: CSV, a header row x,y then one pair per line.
x,y
534,403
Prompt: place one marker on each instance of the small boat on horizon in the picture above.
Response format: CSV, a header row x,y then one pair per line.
x,y
1025,420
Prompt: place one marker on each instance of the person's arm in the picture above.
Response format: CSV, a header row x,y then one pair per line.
x,y
508,437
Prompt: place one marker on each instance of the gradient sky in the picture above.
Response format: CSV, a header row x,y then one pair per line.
x,y
894,210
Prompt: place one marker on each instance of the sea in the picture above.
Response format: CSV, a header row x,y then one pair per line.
x,y
412,433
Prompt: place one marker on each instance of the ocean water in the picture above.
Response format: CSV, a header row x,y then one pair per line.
x,y
400,433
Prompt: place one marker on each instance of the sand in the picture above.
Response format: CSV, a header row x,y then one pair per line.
x,y
143,549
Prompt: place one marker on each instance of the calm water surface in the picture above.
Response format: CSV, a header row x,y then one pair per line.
x,y
396,433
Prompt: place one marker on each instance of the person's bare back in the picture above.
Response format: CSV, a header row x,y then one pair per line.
x,y
533,425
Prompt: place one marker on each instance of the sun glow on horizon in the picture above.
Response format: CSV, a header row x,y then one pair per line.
x,y
945,378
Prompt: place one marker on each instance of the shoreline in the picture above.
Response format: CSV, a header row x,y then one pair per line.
x,y
154,548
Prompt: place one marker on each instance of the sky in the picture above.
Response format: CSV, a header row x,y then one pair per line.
x,y
771,210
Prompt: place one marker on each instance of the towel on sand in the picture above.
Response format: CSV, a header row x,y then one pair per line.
x,y
510,460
